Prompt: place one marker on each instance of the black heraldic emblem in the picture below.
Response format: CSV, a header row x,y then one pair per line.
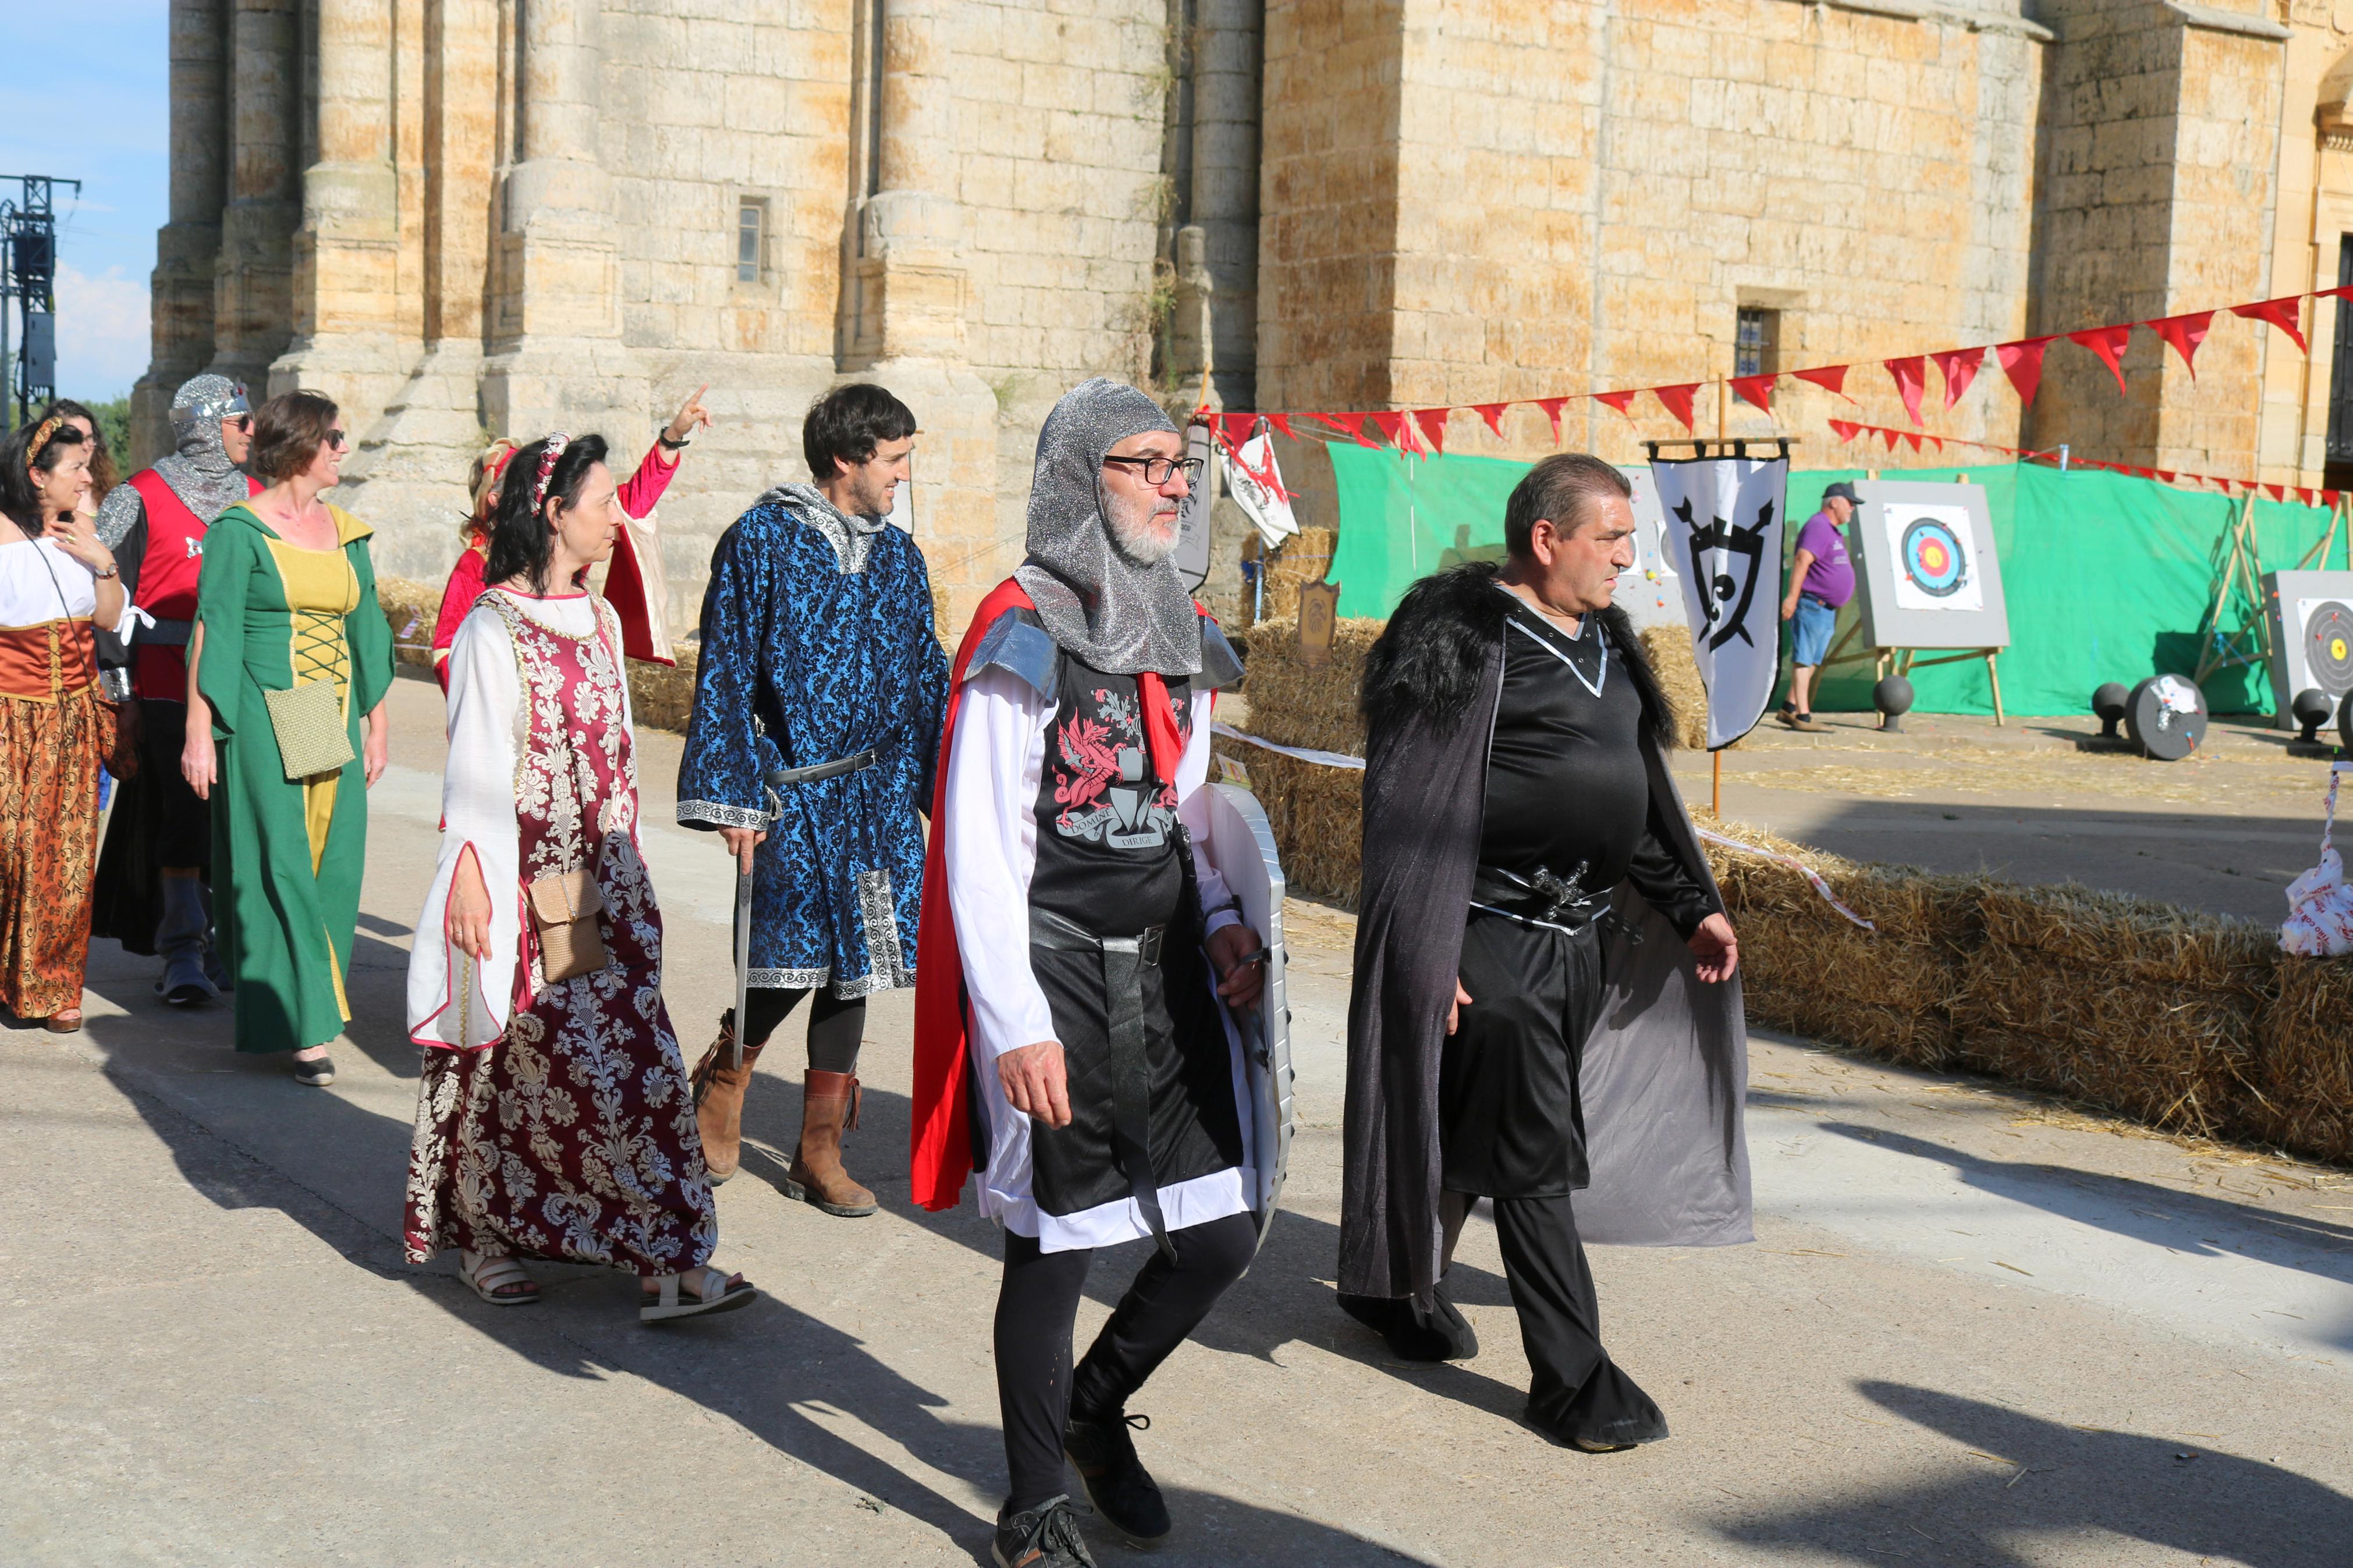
x,y
1746,543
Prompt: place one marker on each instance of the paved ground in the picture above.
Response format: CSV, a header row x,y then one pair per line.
x,y
1973,1331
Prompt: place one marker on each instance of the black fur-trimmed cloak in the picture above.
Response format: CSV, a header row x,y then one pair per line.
x,y
1666,1073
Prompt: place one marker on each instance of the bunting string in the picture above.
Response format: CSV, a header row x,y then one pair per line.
x,y
1851,430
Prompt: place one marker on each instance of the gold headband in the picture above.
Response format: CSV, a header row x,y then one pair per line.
x,y
49,428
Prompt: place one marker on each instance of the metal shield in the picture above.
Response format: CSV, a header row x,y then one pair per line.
x,y
1242,846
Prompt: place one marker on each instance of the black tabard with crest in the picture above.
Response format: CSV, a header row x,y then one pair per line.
x,y
1113,861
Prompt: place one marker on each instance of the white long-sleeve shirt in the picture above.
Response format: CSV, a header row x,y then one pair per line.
x,y
991,851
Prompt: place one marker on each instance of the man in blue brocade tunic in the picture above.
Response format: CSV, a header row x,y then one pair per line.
x,y
818,647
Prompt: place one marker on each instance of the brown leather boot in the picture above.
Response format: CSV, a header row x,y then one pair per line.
x,y
829,1104
719,1101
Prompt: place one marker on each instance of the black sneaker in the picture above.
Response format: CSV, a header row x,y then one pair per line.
x,y
1115,1478
1046,1536
318,1072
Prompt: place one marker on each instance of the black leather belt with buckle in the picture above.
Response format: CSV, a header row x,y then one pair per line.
x,y
1540,897
855,763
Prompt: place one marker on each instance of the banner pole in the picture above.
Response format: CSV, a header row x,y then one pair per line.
x,y
1715,795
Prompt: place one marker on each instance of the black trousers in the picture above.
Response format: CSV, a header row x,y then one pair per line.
x,y
1037,1306
1574,1390
836,1028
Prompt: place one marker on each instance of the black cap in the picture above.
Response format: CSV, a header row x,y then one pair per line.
x,y
1844,492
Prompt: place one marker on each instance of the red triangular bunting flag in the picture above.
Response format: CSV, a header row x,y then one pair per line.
x,y
1913,436
1623,401
1755,389
1239,428
1678,401
2279,492
1959,367
1392,430
2168,475
2286,314
1934,442
2185,333
1845,429
1911,373
2022,362
1551,406
1829,378
1493,412
2304,495
2108,342
1888,438
1433,426
1281,423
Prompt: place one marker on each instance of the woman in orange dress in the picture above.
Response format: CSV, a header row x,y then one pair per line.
x,y
57,579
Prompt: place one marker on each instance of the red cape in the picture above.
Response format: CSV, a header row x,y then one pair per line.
x,y
940,1136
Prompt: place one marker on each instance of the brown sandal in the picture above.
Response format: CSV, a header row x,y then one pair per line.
x,y
65,1023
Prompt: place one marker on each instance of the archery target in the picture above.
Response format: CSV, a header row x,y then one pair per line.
x,y
1934,551
2328,644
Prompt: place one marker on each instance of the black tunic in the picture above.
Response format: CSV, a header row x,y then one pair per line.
x,y
1567,792
1112,859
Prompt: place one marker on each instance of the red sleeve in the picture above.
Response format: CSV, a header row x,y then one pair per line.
x,y
465,586
641,491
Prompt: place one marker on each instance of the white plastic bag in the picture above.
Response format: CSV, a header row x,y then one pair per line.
x,y
2320,906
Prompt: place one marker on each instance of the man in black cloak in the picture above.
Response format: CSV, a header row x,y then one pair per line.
x,y
1545,999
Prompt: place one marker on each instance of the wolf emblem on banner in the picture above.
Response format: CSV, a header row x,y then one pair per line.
x,y
1724,517
1240,844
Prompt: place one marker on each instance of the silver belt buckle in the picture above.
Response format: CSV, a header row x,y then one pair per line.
x,y
1147,945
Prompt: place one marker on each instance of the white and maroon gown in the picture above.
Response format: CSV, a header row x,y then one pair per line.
x,y
554,1121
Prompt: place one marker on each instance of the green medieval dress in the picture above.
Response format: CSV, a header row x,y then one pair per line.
x,y
287,854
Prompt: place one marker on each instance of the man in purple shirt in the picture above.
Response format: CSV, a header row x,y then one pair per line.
x,y
1822,579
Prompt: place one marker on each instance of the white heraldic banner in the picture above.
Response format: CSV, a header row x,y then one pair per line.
x,y
1723,518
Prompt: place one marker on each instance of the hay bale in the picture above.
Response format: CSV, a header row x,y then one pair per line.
x,y
2306,1083
1669,650
1297,704
1315,813
660,698
1306,557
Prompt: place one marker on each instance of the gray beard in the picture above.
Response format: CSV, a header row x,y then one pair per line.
x,y
1140,542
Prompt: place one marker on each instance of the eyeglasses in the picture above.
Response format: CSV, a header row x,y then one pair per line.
x,y
1156,471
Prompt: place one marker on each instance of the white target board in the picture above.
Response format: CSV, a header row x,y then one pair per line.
x,y
1930,574
2311,614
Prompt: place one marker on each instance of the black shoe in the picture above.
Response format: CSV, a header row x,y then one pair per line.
x,y
1115,1481
1046,1536
318,1072
1413,1334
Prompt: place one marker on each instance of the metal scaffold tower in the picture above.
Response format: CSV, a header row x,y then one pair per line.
x,y
28,267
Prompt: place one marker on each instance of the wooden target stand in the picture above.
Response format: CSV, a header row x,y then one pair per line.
x,y
2242,572
1886,661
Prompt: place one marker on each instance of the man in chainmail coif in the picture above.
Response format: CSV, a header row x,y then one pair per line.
x,y
1069,1042
154,889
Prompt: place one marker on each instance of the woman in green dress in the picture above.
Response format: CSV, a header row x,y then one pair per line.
x,y
288,598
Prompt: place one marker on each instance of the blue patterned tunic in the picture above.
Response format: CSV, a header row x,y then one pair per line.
x,y
817,644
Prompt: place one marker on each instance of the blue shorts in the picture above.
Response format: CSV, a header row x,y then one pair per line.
x,y
1810,632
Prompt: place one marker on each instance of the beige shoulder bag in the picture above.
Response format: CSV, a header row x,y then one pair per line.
x,y
565,904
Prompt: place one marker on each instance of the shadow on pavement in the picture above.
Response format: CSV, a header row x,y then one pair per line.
x,y
802,1385
2138,1488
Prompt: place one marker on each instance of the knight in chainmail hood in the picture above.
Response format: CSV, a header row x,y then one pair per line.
x,y
151,892
1069,1046
817,696
1104,602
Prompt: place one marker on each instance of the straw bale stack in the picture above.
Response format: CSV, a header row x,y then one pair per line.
x,y
1669,651
1314,809
2184,1021
660,698
1305,557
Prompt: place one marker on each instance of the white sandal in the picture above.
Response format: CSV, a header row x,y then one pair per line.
x,y
486,1276
733,1291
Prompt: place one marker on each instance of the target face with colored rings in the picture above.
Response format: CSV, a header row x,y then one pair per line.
x,y
1933,559
2328,646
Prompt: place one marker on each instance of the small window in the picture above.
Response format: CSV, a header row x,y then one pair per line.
x,y
1757,341
751,236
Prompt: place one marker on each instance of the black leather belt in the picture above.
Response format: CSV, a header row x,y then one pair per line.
x,y
160,633
1540,899
1125,959
855,763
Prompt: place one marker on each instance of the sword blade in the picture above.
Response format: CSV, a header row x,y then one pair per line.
x,y
743,961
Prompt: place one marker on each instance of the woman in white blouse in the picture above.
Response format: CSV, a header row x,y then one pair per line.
x,y
554,1119
57,579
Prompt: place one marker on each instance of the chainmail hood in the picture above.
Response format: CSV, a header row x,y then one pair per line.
x,y
199,472
1100,607
851,537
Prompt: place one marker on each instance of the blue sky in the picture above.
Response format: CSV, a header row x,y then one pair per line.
x,y
89,99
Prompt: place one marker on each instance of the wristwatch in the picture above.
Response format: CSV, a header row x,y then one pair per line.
x,y
667,445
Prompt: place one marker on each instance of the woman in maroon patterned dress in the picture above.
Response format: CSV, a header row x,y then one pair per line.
x,y
554,1119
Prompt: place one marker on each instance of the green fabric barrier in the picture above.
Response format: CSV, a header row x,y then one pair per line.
x,y
2107,578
